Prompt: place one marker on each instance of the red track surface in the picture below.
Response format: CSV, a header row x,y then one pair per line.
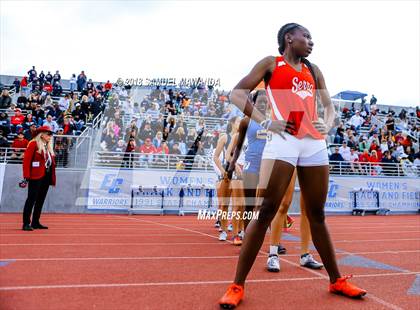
x,y
171,262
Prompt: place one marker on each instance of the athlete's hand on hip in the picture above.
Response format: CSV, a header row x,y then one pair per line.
x,y
321,127
280,126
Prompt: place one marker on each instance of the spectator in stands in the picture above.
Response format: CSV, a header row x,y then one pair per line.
x,y
146,133
147,150
30,133
61,148
339,135
24,85
19,145
36,85
49,77
356,120
41,77
175,149
47,89
389,163
4,123
180,138
52,124
79,117
81,81
22,100
390,123
120,147
73,82
3,141
344,150
38,114
28,121
163,148
110,140
69,127
384,146
16,121
130,154
16,84
56,78
89,85
5,99
157,140
32,74
336,156
64,102
57,89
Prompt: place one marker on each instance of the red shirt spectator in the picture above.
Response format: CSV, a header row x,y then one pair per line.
x,y
364,157
148,147
163,149
48,88
18,118
108,86
24,82
20,142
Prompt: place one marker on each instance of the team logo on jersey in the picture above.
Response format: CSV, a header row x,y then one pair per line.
x,y
281,63
302,88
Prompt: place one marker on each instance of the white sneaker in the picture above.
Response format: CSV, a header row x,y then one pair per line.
x,y
308,261
223,236
230,227
273,263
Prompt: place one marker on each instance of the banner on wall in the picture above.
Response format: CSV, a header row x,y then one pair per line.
x,y
2,170
395,194
111,189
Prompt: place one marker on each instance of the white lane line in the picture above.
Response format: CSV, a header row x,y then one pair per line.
x,y
375,298
107,285
110,244
35,259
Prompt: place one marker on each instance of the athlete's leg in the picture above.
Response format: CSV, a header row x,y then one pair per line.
x,y
274,180
278,222
237,205
223,195
305,230
250,181
314,187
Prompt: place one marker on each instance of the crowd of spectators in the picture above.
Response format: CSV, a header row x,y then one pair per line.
x,y
40,100
377,138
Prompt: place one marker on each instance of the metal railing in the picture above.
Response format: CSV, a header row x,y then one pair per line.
x,y
71,151
402,169
151,161
171,162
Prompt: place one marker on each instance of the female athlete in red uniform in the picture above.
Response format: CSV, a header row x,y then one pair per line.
x,y
297,141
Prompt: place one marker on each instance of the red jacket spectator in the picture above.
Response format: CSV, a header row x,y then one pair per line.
x,y
18,118
20,142
148,147
48,88
34,163
163,149
364,157
24,82
108,86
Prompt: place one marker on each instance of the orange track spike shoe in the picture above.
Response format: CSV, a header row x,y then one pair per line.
x,y
232,297
343,287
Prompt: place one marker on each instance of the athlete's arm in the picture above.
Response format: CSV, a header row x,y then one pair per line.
x,y
240,93
329,111
238,143
219,147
